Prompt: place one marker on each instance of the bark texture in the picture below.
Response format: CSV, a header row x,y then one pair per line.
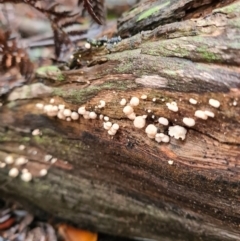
x,y
124,184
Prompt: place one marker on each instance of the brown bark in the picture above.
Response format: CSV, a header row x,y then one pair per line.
x,y
124,184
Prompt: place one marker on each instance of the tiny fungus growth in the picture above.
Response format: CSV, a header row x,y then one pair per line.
x,y
2,164
172,106
154,99
134,101
201,114
43,172
61,107
106,118
151,131
123,102
193,101
144,97
67,112
131,116
21,161
178,132
9,160
139,122
74,115
26,176
40,106
163,121
102,104
81,110
13,172
36,132
170,162
214,103
127,110
209,113
92,115
52,101
21,147
47,157
189,121
107,125
161,137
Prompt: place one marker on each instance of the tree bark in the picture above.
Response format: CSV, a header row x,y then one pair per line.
x,y
128,184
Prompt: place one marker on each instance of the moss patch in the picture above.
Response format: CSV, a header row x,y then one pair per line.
x,y
151,11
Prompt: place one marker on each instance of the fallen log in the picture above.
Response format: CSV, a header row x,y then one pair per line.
x,y
125,181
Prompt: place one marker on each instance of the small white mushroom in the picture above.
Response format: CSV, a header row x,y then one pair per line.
x,y
92,115
115,126
26,177
21,147
172,106
36,132
178,132
127,110
151,131
81,110
192,101
139,122
40,106
170,162
68,119
47,108
21,161
132,116
47,157
43,172
102,104
2,164
74,115
87,45
123,102
134,101
13,172
189,121
53,160
107,125
52,101
144,97
61,107
154,99
201,114
214,103
9,160
101,117
60,115
163,121
86,115
106,118
67,112
209,113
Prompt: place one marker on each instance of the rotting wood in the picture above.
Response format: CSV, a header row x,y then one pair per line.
x,y
124,184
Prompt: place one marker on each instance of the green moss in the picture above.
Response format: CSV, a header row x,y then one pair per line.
x,y
206,54
51,72
151,11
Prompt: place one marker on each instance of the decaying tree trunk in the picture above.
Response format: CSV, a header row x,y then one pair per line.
x,y
128,184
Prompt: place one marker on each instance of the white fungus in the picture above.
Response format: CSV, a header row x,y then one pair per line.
x,y
2,164
13,172
170,162
74,115
163,121
9,159
107,125
192,101
131,116
47,108
43,172
209,113
47,157
92,115
172,106
201,114
106,118
123,102
36,132
113,130
139,122
214,103
68,119
60,115
40,106
144,97
178,132
53,111
127,110
67,112
21,147
102,104
87,45
53,160
154,99
160,137
61,107
26,177
101,117
115,126
234,103
81,110
52,101
21,161
134,101
151,131
189,121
